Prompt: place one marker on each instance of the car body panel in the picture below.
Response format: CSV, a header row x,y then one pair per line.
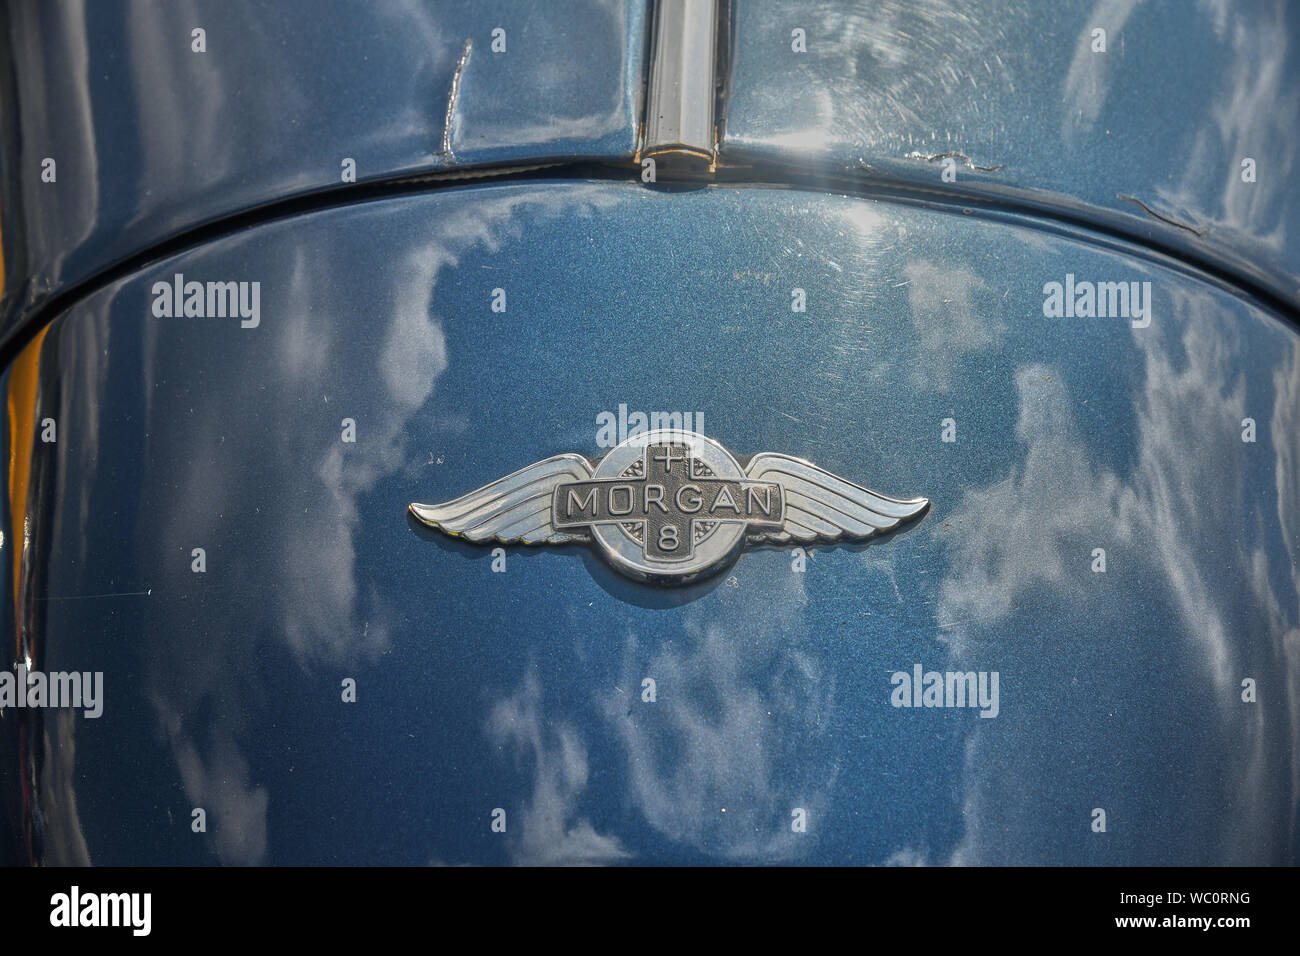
x,y
152,139
523,690
1146,137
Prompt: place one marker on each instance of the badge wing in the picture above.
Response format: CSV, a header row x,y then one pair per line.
x,y
513,509
820,506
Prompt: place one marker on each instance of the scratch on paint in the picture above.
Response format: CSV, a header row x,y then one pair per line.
x,y
1200,232
87,597
453,99
953,154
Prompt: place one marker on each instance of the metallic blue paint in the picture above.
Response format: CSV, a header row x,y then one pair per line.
x,y
1183,94
522,690
152,139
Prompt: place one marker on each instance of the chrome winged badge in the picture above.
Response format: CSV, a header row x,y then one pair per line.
x,y
669,506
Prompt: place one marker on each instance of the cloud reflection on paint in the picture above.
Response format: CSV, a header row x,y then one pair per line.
x,y
1172,528
312,525
549,830
726,752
